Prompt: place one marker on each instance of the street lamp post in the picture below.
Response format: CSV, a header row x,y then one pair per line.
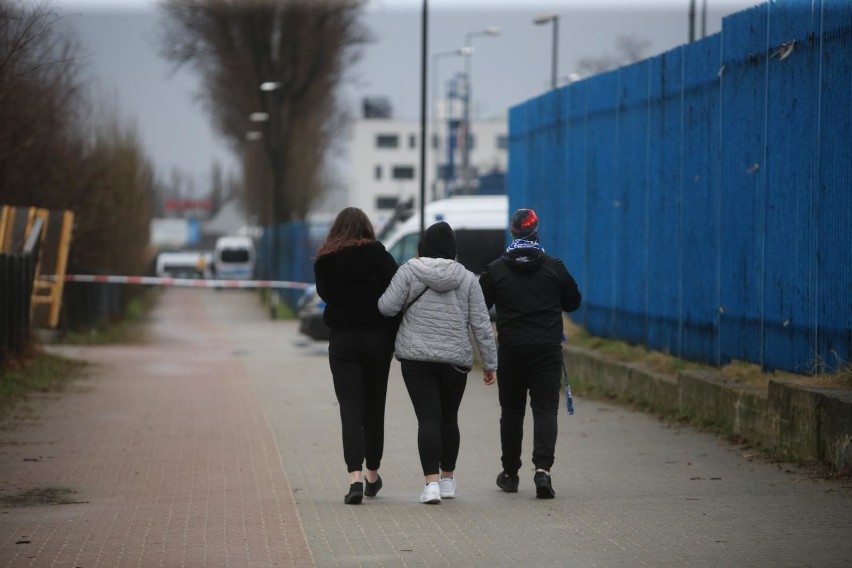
x,y
545,19
273,148
462,51
468,83
252,164
691,21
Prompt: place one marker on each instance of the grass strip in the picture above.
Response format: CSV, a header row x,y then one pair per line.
x,y
41,373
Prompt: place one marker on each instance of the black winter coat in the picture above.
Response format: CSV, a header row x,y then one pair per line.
x,y
350,282
531,290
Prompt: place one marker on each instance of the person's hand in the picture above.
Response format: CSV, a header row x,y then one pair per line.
x,y
490,377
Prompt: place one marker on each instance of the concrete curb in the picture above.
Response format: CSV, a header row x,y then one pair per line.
x,y
787,419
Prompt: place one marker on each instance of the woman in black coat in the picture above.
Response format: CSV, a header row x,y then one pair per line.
x,y
352,270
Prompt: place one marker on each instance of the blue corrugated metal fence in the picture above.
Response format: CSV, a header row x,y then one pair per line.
x,y
703,198
298,243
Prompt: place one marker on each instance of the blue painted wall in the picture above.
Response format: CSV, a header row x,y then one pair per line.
x,y
703,198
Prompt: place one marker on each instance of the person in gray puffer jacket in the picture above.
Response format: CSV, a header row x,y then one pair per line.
x,y
442,303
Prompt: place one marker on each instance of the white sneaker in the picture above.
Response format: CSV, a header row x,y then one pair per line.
x,y
431,494
448,487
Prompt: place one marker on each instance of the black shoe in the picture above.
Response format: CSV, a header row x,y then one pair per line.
x,y
356,493
370,489
543,488
508,483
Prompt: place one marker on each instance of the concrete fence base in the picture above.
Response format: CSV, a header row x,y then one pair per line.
x,y
787,419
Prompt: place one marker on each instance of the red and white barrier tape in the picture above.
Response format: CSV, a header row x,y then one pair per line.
x,y
185,282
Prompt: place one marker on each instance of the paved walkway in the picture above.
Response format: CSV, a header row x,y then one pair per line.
x,y
217,443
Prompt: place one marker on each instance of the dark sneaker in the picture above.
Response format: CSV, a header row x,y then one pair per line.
x,y
508,483
543,488
370,489
355,495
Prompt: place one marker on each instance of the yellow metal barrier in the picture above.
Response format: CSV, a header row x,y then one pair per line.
x,y
15,226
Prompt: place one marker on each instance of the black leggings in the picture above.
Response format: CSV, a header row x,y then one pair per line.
x,y
436,391
360,361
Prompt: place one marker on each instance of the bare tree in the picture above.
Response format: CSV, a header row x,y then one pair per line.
x,y
116,201
628,49
40,96
217,187
301,49
57,153
255,178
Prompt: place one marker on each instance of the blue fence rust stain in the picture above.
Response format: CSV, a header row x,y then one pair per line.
x,y
703,198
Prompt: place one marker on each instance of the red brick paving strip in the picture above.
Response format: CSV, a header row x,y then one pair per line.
x,y
169,455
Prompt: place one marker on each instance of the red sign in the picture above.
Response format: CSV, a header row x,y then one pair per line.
x,y
184,205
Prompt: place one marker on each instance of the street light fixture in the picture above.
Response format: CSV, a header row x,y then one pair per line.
x,y
259,116
490,31
546,19
463,52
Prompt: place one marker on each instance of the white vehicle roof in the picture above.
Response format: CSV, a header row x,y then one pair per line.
x,y
175,260
462,212
178,258
234,242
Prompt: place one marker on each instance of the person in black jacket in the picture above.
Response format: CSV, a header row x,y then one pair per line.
x,y
531,290
352,270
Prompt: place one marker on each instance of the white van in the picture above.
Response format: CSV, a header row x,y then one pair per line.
x,y
481,224
233,258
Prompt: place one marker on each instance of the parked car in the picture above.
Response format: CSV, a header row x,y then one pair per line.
x,y
309,310
187,264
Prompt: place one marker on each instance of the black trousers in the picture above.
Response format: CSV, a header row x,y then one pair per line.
x,y
537,370
436,391
360,360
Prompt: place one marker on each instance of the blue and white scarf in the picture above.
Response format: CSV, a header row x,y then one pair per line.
x,y
521,243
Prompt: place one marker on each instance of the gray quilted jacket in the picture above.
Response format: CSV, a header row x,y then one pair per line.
x,y
435,326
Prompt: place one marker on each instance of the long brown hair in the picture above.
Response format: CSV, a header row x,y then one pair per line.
x,y
352,227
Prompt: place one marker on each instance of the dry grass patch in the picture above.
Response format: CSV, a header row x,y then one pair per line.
x,y
622,351
41,373
738,372
841,379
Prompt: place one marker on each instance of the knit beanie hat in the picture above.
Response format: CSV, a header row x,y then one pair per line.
x,y
524,225
439,241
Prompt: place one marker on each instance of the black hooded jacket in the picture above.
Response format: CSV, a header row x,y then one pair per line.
x,y
531,290
350,281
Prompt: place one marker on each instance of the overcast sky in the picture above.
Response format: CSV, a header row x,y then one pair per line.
x,y
119,39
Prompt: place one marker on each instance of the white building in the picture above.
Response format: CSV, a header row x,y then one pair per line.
x,y
385,158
